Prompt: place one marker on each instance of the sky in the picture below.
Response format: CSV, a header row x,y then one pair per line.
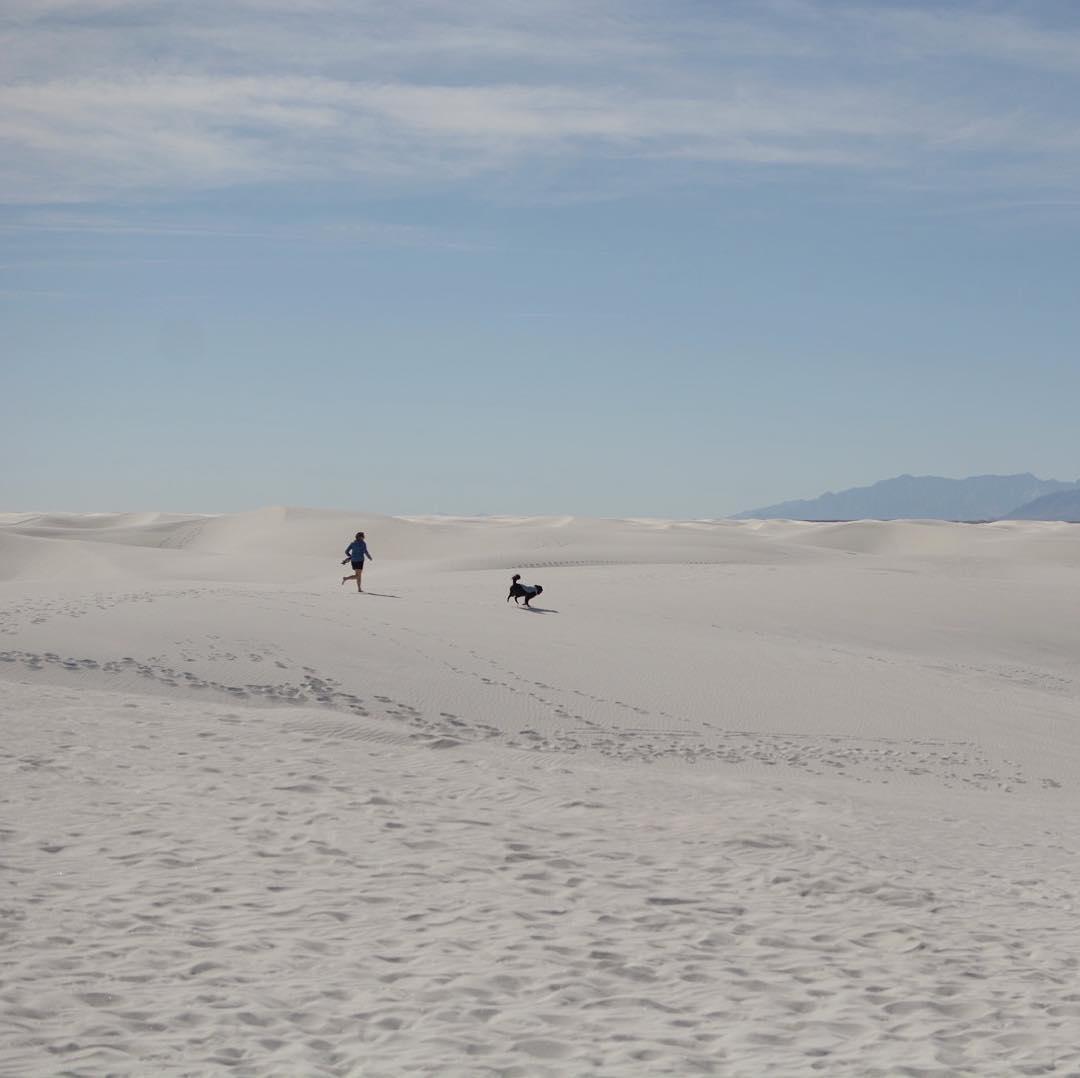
x,y
610,258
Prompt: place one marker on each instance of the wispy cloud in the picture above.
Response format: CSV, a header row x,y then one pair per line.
x,y
113,98
328,231
987,35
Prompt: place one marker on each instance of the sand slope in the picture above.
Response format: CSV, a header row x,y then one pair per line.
x,y
734,799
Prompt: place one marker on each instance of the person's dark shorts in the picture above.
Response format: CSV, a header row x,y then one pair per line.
x,y
357,566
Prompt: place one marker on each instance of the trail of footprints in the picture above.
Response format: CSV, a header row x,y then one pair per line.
x,y
873,760
564,725
312,689
37,611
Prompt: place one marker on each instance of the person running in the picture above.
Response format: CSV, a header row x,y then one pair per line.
x,y
355,554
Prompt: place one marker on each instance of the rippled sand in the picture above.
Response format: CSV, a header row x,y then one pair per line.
x,y
735,799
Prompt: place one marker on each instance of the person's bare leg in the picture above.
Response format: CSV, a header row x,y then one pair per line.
x,y
359,573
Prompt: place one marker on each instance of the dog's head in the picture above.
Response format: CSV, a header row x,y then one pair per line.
x,y
538,589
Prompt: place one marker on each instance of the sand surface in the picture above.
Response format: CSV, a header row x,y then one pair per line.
x,y
735,798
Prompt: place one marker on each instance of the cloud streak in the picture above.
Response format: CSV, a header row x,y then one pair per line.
x,y
111,99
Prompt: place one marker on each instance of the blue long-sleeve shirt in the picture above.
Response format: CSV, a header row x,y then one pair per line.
x,y
358,551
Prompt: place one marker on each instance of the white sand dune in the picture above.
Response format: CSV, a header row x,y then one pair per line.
x,y
735,798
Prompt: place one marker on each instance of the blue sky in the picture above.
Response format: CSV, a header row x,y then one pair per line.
x,y
600,258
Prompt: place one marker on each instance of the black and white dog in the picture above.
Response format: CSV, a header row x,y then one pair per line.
x,y
522,591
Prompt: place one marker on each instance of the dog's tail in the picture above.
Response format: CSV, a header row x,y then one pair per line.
x,y
515,578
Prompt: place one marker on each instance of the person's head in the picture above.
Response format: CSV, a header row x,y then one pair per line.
x,y
359,535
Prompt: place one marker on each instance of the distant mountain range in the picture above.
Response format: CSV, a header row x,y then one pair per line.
x,y
929,497
1061,505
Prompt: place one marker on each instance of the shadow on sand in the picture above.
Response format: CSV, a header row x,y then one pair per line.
x,y
380,594
538,609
